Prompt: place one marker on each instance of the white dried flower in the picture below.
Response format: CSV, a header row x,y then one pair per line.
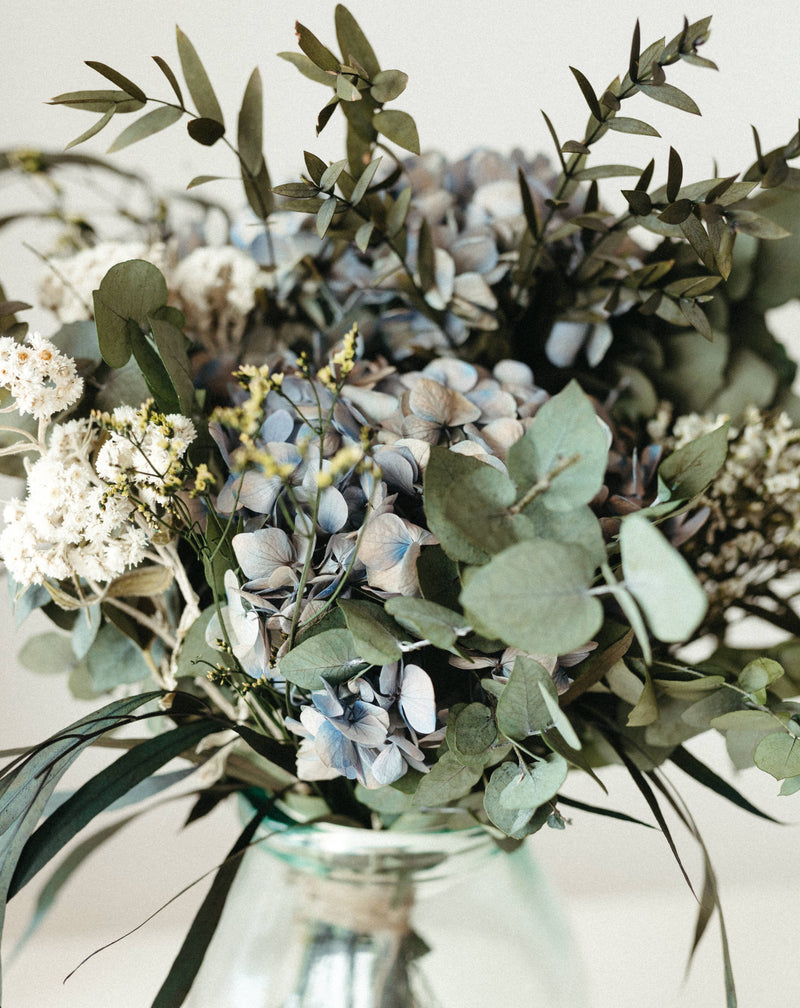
x,y
42,380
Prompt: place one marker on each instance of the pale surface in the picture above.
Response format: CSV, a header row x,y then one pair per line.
x,y
496,67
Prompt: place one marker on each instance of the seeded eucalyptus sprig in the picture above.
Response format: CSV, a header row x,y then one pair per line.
x,y
205,123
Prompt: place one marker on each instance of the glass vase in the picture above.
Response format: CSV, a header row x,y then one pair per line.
x,y
330,916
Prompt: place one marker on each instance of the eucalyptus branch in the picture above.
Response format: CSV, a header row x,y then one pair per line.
x,y
543,484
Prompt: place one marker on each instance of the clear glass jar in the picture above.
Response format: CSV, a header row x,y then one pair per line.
x,y
329,916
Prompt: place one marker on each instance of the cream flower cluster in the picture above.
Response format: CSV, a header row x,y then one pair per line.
x,y
62,530
42,380
215,290
142,457
66,288
752,534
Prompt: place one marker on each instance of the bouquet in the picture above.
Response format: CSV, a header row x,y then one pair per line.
x,y
405,499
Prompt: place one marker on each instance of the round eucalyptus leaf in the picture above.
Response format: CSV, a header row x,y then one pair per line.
x,y
535,596
660,580
778,754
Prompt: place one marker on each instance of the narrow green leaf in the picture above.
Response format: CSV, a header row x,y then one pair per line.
x,y
353,42
308,68
151,122
588,93
250,124
102,790
258,191
647,793
199,180
364,181
624,124
186,965
696,235
168,72
325,215
633,59
315,166
319,54
674,175
331,175
197,80
97,101
528,205
670,95
606,171
295,190
551,128
117,78
363,235
93,130
704,775
171,345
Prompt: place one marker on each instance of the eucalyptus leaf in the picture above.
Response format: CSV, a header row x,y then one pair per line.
x,y
564,451
521,709
388,85
251,124
668,94
447,780
516,823
688,470
330,655
535,784
47,652
535,596
197,80
132,290
353,42
428,620
117,78
660,580
466,504
308,68
115,660
471,734
398,127
150,123
375,634
778,754
624,124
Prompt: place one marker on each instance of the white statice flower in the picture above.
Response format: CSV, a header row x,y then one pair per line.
x,y
42,380
65,528
215,289
66,288
144,452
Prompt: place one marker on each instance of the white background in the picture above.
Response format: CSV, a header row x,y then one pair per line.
x,y
479,75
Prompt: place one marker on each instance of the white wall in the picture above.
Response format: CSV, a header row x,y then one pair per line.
x,y
479,73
